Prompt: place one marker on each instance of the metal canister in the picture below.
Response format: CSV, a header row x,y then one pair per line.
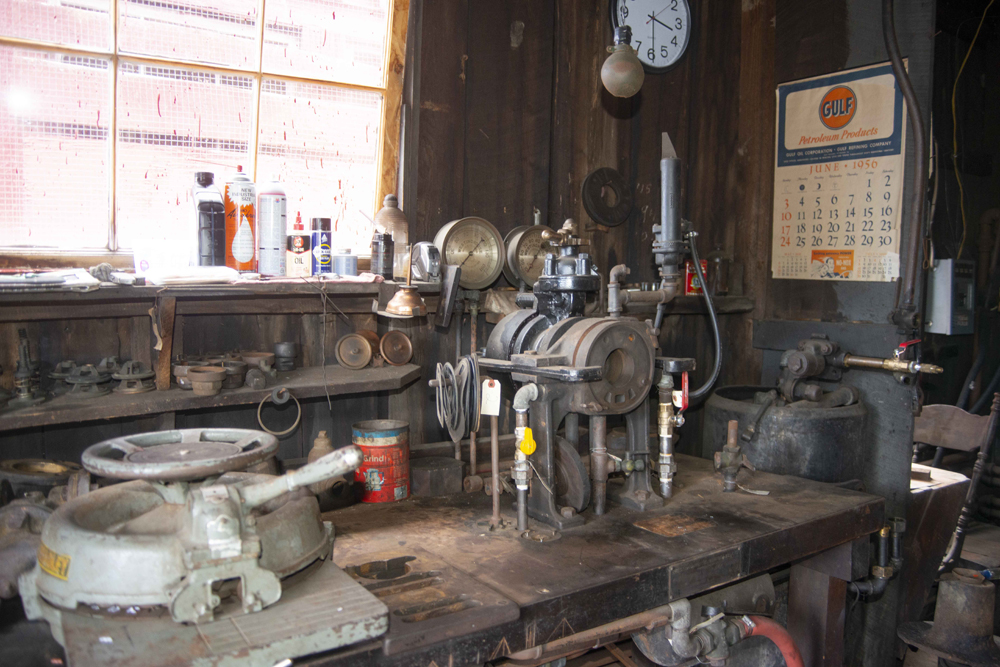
x,y
240,202
271,229
384,475
344,263
321,233
382,256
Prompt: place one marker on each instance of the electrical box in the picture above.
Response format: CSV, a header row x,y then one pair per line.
x,y
951,300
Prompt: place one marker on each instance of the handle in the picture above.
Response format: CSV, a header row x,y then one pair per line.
x,y
334,464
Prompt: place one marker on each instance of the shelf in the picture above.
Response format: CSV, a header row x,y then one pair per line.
x,y
303,383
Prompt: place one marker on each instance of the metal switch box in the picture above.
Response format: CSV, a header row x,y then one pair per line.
x,y
951,297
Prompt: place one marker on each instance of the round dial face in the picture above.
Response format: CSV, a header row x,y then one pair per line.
x,y
526,252
475,246
660,29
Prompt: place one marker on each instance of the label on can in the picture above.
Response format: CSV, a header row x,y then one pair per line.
x,y
271,218
384,475
321,253
691,283
298,259
241,225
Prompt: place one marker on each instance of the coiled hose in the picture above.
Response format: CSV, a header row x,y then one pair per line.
x,y
705,388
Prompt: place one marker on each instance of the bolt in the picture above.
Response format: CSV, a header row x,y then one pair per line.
x,y
567,512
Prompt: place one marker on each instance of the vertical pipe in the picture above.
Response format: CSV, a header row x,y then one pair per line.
x,y
495,454
472,434
665,431
573,430
599,462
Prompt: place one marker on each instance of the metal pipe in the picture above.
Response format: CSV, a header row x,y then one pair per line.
x,y
905,310
599,462
573,430
665,431
521,472
595,637
670,211
472,434
615,279
495,456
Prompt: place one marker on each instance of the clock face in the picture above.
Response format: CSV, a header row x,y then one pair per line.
x,y
660,29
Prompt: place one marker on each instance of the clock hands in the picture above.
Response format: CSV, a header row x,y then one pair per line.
x,y
469,256
653,18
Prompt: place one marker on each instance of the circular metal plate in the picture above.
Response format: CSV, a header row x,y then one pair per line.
x,y
606,197
474,245
183,454
396,348
353,351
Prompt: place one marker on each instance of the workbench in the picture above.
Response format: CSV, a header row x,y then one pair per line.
x,y
459,593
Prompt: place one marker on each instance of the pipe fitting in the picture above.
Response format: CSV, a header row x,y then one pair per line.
x,y
524,396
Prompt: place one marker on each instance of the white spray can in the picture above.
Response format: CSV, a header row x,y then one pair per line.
x,y
271,229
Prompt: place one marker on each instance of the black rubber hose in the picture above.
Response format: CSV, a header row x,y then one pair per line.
x,y
915,223
987,393
705,388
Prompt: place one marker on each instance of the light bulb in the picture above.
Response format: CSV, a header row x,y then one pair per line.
x,y
622,72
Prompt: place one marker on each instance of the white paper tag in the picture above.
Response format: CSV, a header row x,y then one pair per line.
x,y
490,403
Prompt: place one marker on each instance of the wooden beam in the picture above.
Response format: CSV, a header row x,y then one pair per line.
x,y
165,310
392,101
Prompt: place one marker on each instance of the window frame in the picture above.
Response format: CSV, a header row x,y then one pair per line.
x,y
387,150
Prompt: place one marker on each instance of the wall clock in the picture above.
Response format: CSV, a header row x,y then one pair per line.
x,y
661,29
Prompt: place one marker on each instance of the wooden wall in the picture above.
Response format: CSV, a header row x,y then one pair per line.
x,y
513,116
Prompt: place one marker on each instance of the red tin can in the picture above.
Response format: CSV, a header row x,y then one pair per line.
x,y
384,475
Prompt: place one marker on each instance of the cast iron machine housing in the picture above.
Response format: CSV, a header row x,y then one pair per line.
x,y
595,366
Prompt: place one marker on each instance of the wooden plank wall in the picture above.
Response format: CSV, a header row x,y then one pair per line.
x,y
513,116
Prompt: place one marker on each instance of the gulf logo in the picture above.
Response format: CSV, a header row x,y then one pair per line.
x,y
837,107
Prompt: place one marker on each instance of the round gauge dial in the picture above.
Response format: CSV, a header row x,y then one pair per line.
x,y
526,250
475,246
661,29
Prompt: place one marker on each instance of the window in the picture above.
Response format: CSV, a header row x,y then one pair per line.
x,y
109,107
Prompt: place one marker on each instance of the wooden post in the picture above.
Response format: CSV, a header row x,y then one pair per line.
x,y
166,307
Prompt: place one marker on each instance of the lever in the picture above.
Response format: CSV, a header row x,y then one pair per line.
x,y
334,464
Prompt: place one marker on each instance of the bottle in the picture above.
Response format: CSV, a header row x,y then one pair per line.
x,y
210,213
392,220
241,223
382,254
271,229
321,232
298,258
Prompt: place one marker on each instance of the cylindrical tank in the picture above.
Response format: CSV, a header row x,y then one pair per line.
x,y
384,476
824,444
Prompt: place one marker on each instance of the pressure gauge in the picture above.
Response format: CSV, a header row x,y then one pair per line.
x,y
661,29
526,250
475,246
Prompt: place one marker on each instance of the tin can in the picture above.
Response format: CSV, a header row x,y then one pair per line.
x,y
382,254
240,203
321,246
344,263
271,229
384,475
298,256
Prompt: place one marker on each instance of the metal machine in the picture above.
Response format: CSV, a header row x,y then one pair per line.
x,y
200,562
596,366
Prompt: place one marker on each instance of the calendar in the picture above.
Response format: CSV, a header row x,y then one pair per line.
x,y
838,177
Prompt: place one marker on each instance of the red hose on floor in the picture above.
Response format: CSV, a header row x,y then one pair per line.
x,y
765,627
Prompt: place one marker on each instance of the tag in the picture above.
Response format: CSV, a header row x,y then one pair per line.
x,y
680,398
490,401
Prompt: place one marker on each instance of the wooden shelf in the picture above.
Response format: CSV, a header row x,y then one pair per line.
x,y
303,383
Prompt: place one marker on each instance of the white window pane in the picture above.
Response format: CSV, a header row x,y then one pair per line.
x,y
54,149
323,142
334,40
84,24
173,122
223,32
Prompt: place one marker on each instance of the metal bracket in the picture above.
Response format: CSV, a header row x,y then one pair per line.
x,y
562,373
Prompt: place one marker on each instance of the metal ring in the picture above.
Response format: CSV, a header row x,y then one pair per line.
x,y
291,428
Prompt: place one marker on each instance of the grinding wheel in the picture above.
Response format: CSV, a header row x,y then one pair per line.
x,y
572,480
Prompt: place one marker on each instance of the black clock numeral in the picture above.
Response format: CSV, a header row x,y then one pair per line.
x,y
651,54
673,5
679,24
663,51
623,10
637,45
674,41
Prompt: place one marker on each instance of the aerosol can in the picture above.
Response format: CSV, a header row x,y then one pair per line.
x,y
298,256
241,223
271,229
